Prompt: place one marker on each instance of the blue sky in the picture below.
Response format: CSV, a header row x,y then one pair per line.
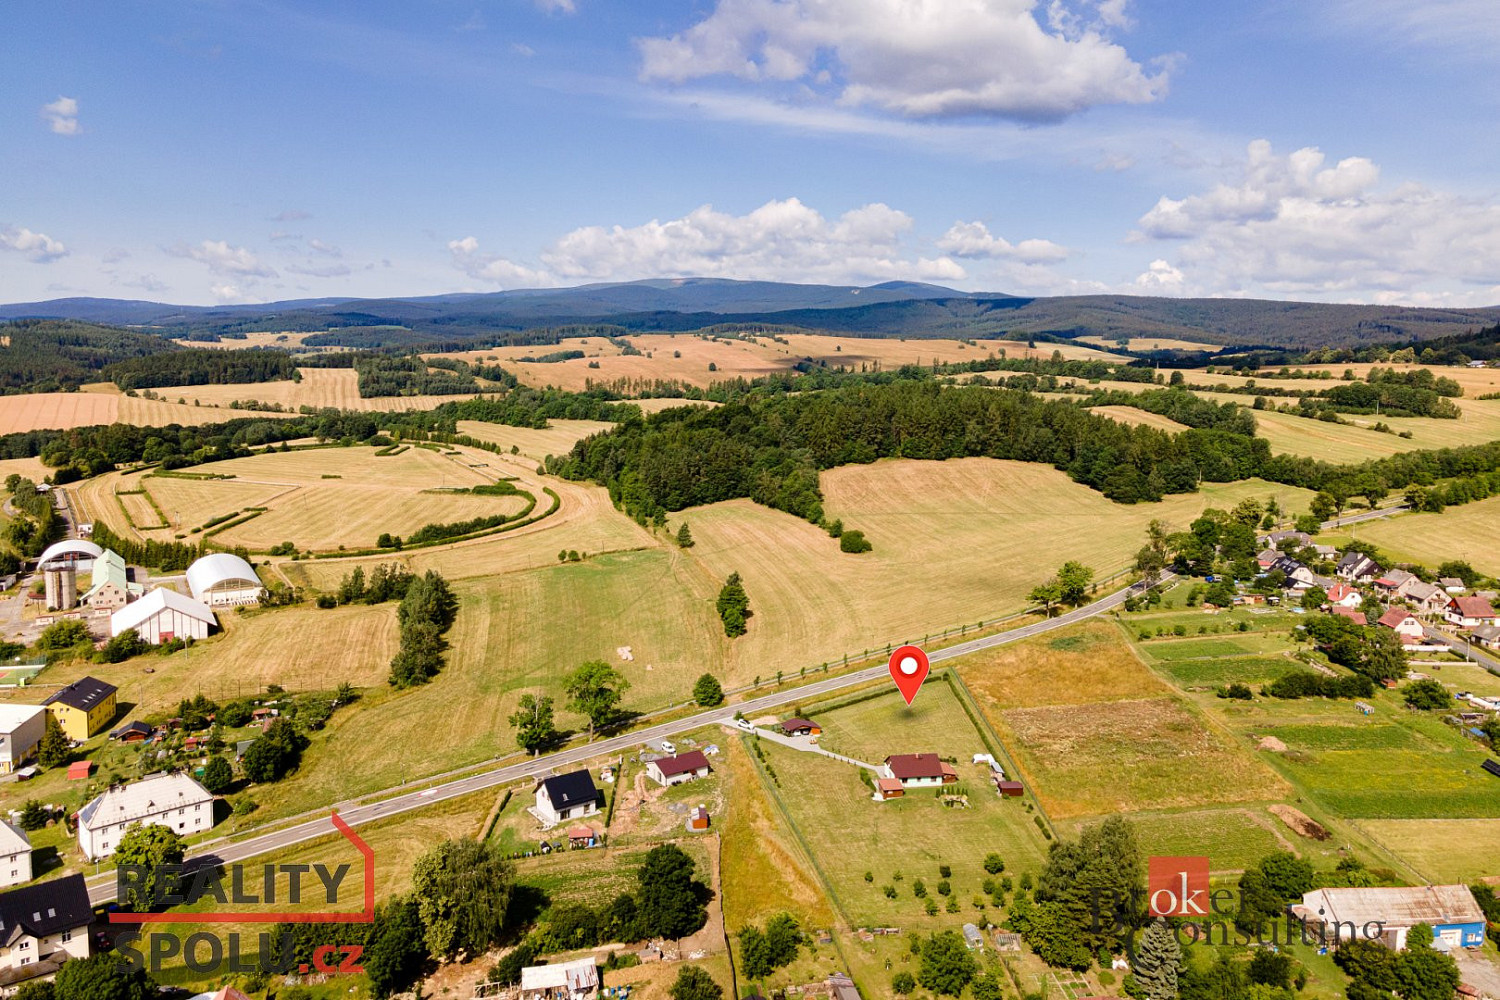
x,y
205,151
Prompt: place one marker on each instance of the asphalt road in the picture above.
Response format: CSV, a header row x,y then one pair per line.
x,y
1462,648
102,887
1369,515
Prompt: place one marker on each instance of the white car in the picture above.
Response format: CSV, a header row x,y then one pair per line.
x,y
668,746
744,724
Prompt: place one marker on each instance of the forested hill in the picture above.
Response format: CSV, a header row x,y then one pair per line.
x,y
58,355
893,309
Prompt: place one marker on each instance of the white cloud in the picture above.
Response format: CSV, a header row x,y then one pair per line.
x,y
973,239
226,293
522,49
62,115
1293,226
1160,277
558,6
147,282
38,247
221,258
918,58
291,215
114,255
1465,27
779,241
327,249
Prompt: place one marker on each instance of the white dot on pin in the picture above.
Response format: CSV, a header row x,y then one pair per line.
x,y
909,665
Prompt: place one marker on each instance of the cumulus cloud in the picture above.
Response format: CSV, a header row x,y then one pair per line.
x,y
919,58
226,293
779,241
973,239
221,258
1160,277
37,247
558,6
327,249
147,282
62,115
1294,225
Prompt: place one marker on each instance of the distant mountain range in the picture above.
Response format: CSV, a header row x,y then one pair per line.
x,y
891,309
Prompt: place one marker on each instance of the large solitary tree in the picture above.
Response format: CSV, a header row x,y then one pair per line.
x,y
462,888
594,690
150,846
533,722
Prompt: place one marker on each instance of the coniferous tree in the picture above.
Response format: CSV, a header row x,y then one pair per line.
x,y
1158,961
734,607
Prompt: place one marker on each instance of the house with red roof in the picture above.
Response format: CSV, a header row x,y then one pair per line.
x,y
1341,595
1403,622
1471,612
1355,616
919,770
675,770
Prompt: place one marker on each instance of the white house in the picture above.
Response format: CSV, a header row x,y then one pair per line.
x,y
675,770
15,855
1341,595
1426,598
1403,622
175,801
41,927
21,730
1469,612
1357,567
919,770
164,615
564,797
110,588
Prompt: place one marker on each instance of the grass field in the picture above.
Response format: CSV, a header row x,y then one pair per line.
x,y
1233,838
954,541
1442,850
1466,532
321,499
849,833
1130,415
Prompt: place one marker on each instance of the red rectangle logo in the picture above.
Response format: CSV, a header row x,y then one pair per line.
x,y
1177,887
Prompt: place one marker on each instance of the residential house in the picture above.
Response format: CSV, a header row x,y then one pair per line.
x,y
1266,557
41,927
1354,615
1469,612
1487,636
1286,541
134,731
21,731
1452,584
675,770
15,855
1426,598
1395,582
841,987
801,727
83,707
1356,567
1450,910
1403,622
576,980
919,770
1341,595
174,801
566,796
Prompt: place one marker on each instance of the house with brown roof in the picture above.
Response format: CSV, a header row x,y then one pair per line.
x,y
1341,595
1403,622
888,788
1470,612
1487,636
801,727
919,770
1355,616
675,770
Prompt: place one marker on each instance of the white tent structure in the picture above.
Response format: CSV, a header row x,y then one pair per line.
x,y
223,579
164,615
70,553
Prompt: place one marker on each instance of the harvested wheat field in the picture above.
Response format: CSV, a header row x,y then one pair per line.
x,y
892,352
319,387
287,340
557,438
31,468
1466,532
64,410
678,357
1130,415
585,521
1151,344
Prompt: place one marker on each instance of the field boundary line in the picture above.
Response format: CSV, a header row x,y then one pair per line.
x,y
991,738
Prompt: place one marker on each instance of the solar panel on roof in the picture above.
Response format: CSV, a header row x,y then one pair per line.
x,y
1492,766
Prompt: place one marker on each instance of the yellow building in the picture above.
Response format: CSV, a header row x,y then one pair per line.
x,y
83,708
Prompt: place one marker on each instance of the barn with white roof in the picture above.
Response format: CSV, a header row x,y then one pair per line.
x,y
163,615
223,579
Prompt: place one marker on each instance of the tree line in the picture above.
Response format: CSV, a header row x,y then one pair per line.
x,y
201,366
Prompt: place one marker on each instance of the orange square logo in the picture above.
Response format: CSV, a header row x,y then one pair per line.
x,y
1177,887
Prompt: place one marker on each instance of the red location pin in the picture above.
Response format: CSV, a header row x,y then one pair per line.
x,y
909,670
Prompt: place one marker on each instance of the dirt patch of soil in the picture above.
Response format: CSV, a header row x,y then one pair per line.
x,y
1270,743
1301,824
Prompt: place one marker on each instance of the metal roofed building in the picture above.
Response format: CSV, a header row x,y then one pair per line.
x,y
21,731
164,615
77,553
222,579
1390,913
175,801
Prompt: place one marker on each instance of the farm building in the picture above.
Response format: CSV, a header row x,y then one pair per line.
x,y
164,615
175,801
15,855
841,987
1286,541
801,727
223,579
70,553
1450,910
45,925
83,707
919,770
577,980
21,730
1403,622
564,797
1471,612
888,788
675,770
132,732
1452,584
110,588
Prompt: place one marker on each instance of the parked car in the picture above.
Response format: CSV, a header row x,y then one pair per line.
x,y
744,724
669,747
